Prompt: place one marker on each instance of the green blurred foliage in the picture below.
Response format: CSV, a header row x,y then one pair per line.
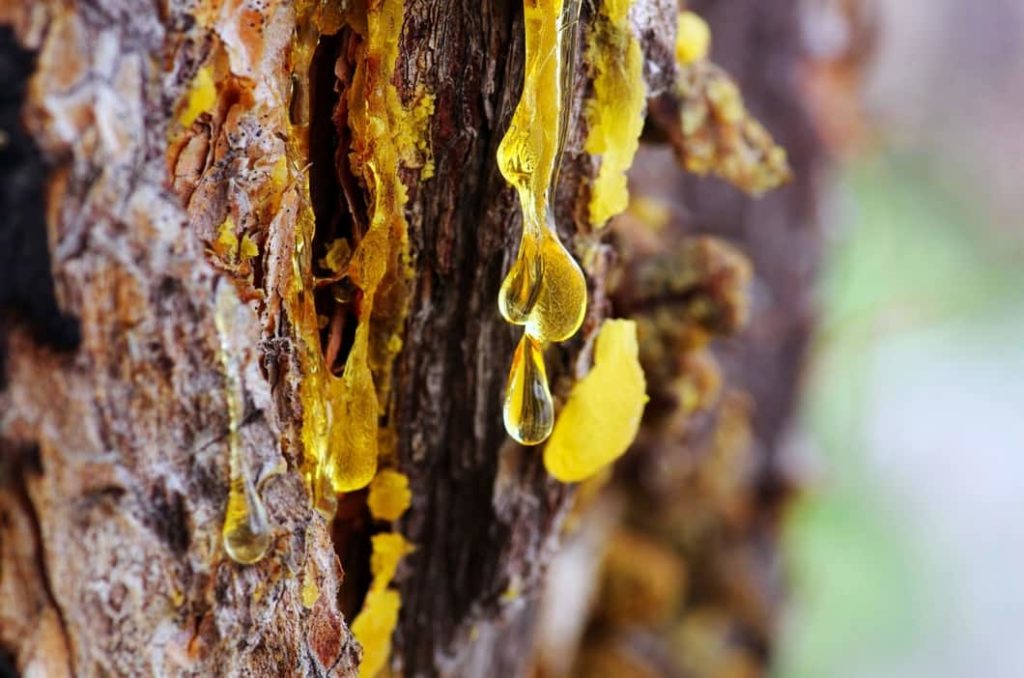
x,y
915,255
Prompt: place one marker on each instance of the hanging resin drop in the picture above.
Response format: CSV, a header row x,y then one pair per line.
x,y
246,531
545,288
522,284
561,301
246,528
529,413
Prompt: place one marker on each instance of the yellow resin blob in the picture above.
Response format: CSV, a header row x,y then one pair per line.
x,y
201,97
390,495
376,622
373,628
615,114
545,290
529,412
246,530
602,416
693,38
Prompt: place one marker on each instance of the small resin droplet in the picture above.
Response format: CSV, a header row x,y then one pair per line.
x,y
325,500
562,299
522,285
354,427
246,528
529,412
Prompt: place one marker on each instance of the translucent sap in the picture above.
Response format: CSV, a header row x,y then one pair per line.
x,y
529,412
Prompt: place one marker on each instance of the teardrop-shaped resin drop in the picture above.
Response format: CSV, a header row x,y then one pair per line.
x,y
561,302
529,412
246,527
354,423
522,284
325,500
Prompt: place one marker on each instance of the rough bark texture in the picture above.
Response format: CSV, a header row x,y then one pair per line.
x,y
112,451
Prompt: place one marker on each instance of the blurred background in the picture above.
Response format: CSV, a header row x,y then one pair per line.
x,y
906,549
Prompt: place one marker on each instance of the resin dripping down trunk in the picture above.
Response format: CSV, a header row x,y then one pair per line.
x,y
174,148
544,290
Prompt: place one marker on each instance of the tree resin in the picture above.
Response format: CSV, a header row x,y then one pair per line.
x,y
545,290
246,527
529,413
246,530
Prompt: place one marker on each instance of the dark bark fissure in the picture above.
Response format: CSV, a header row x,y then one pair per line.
x,y
27,288
336,198
483,507
351,532
16,463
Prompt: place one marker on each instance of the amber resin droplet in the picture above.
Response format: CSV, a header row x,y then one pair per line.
x,y
561,301
544,289
529,412
522,284
246,528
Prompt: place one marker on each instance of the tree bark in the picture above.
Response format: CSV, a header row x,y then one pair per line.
x,y
114,448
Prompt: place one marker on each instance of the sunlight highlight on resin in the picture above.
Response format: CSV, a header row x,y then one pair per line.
x,y
529,411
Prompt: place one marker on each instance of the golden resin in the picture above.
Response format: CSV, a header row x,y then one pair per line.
x,y
246,530
602,417
615,114
544,290
529,412
376,622
341,414
385,137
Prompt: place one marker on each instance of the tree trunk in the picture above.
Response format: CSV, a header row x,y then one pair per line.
x,y
190,167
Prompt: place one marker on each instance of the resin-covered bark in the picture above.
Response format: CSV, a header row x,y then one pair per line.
x,y
117,452
282,229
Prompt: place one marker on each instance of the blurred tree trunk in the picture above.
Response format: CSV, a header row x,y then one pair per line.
x,y
113,449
